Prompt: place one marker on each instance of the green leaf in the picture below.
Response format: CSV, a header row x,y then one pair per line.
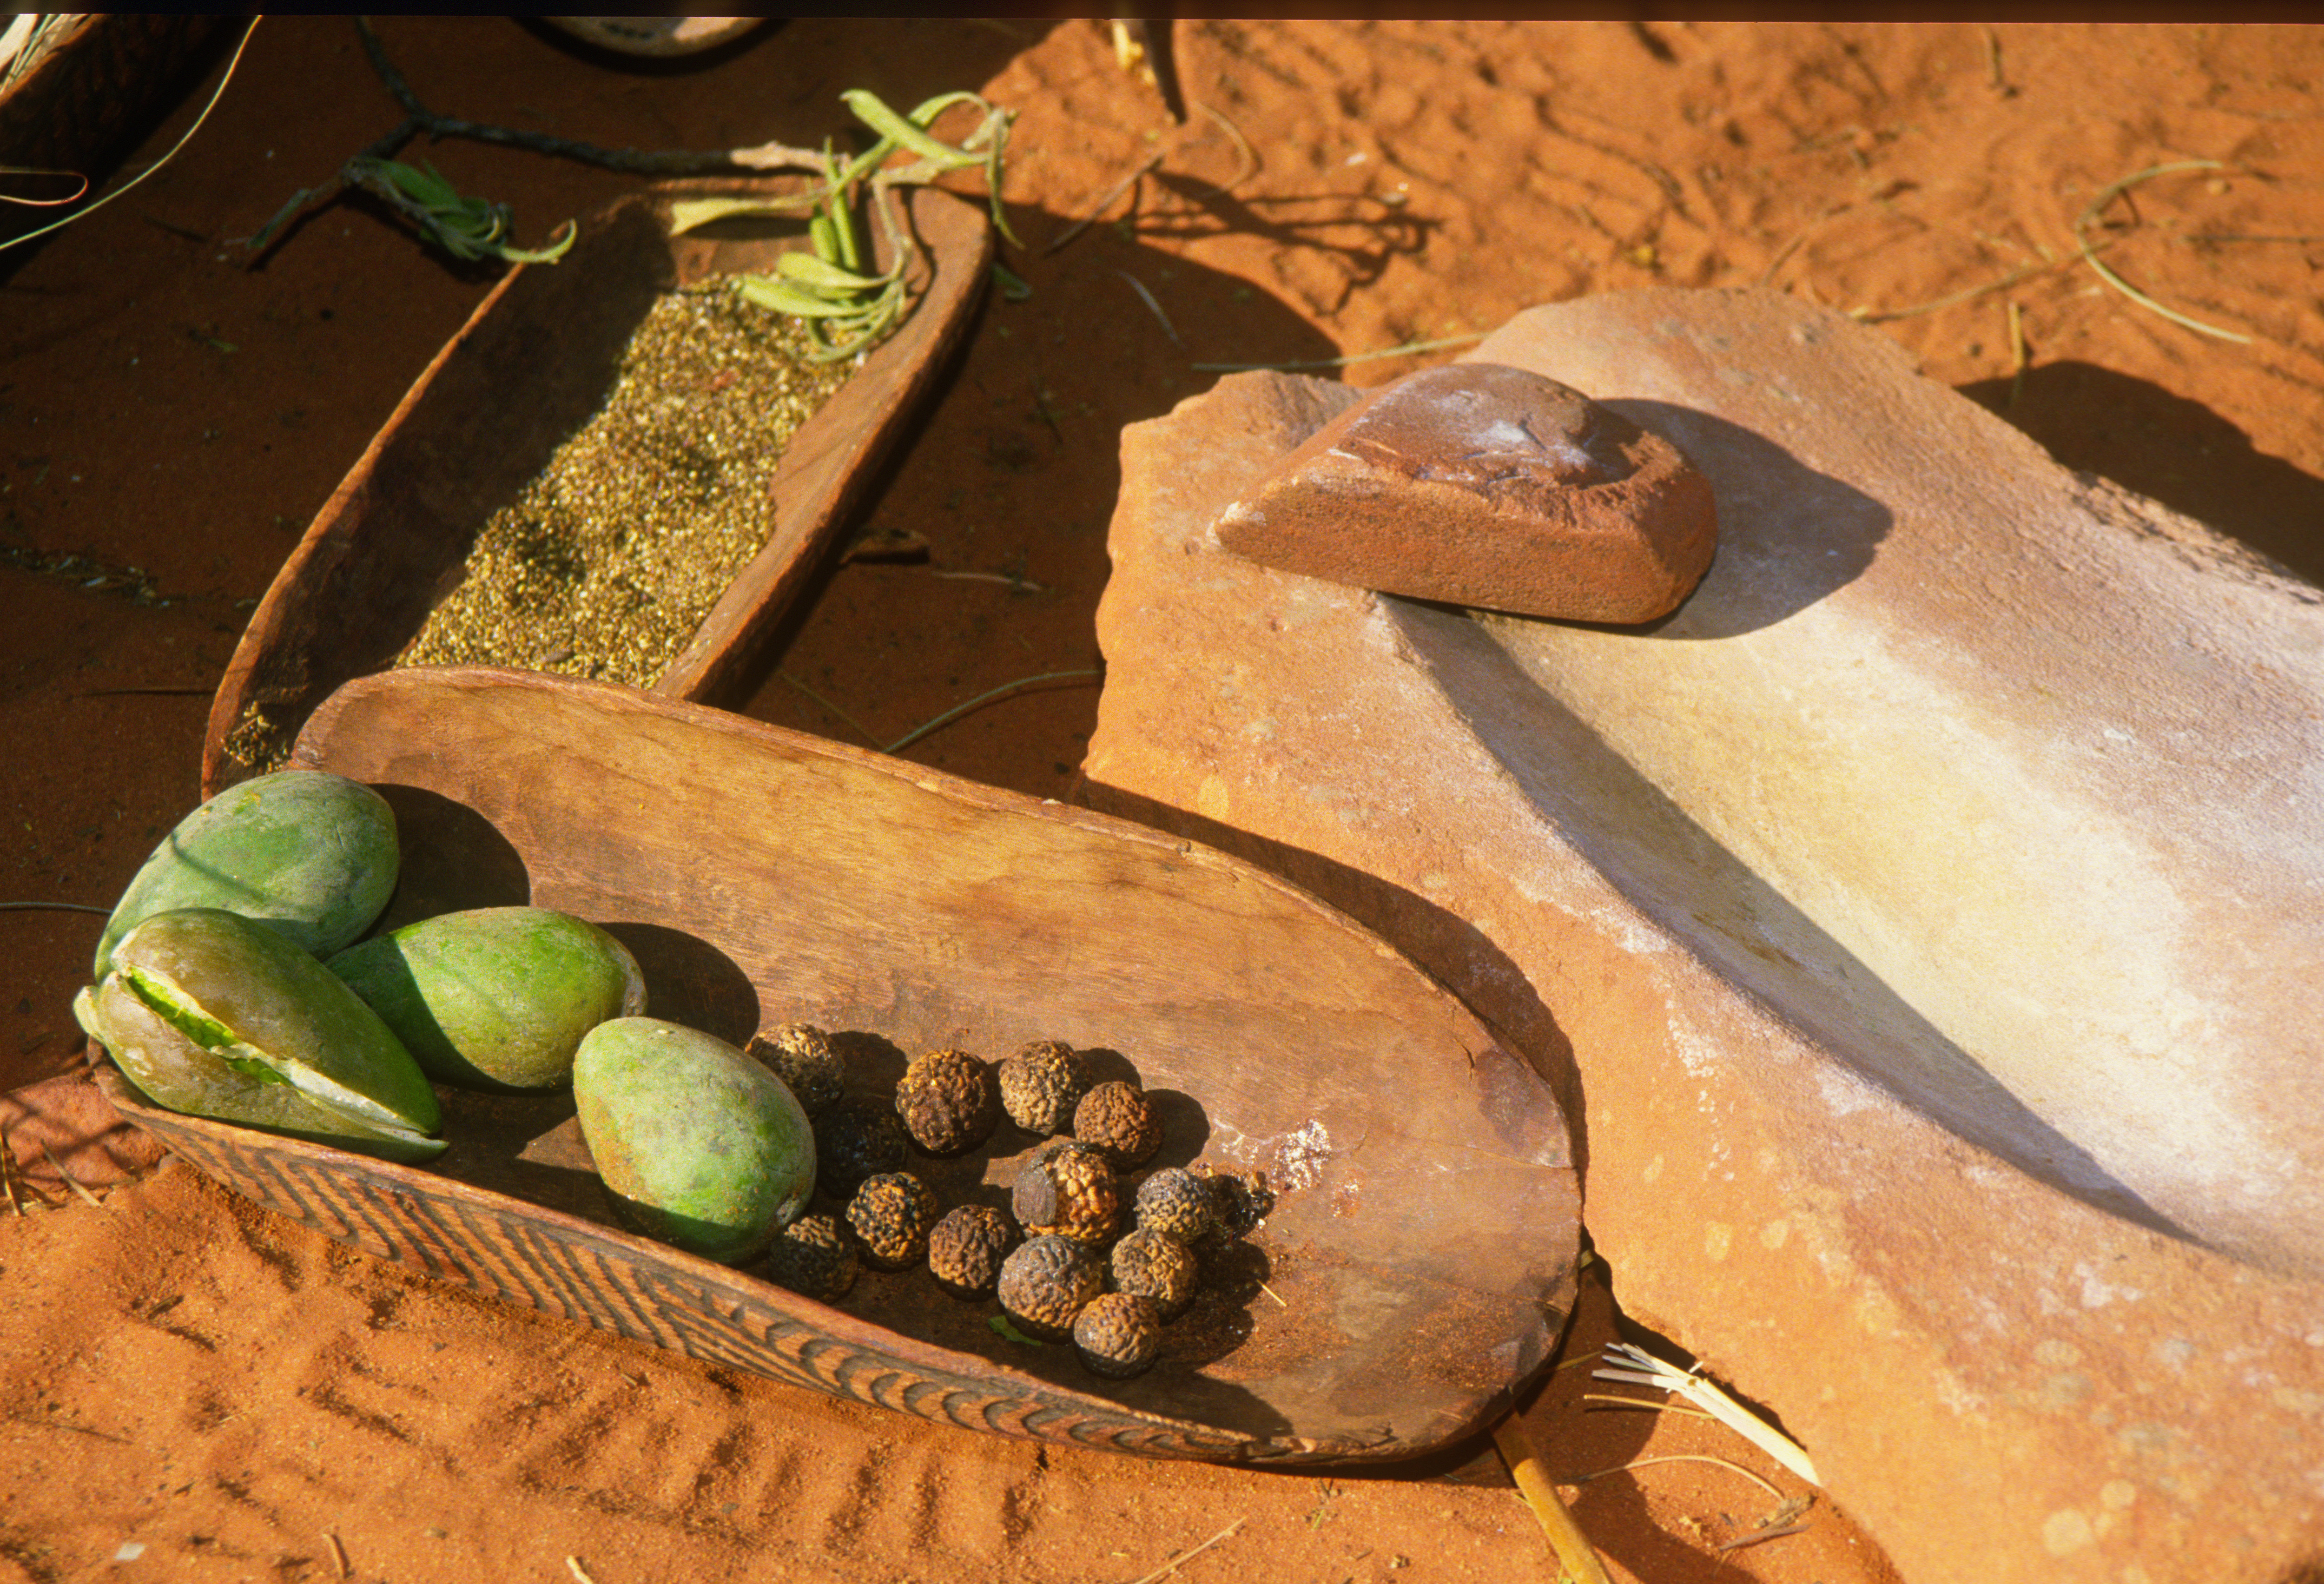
x,y
426,186
1000,1322
691,213
926,112
784,297
898,130
555,250
820,275
847,251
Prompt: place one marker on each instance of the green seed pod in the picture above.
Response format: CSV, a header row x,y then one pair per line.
x,y
309,855
256,1007
700,1146
173,1071
497,998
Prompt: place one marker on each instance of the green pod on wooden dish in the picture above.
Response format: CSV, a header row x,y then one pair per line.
x,y
174,1072
496,998
700,1146
250,1012
309,855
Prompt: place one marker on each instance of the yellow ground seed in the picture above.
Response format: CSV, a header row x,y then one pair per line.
x,y
607,562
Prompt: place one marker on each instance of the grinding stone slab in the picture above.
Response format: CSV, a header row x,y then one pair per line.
x,y
1922,923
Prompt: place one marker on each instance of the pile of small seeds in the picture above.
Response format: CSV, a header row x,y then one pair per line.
x,y
1088,1255
607,562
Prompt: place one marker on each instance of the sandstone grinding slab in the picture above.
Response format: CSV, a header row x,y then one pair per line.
x,y
1481,484
1921,922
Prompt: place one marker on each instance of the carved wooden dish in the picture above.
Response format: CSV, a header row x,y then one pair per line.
x,y
530,365
1414,1273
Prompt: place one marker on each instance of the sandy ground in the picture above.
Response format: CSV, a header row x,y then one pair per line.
x,y
192,1389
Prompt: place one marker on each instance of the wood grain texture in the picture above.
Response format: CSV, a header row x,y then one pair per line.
x,y
530,366
763,876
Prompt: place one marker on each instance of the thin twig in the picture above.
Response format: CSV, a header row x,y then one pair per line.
x,y
1684,1458
1642,1403
58,906
2017,356
8,1174
1867,317
1405,350
950,716
71,1182
1016,585
2106,274
1740,1541
1784,253
55,203
1242,147
1147,297
1098,209
636,161
1575,1553
339,1554
1271,1293
865,732
1172,1566
573,1564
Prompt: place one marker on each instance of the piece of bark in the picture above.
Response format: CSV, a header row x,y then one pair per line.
x,y
1922,921
1481,484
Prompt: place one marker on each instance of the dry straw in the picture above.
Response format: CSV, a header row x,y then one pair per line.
x,y
1643,1368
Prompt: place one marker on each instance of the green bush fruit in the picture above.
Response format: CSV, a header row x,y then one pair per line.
x,y
176,1073
310,855
700,1146
497,998
255,1006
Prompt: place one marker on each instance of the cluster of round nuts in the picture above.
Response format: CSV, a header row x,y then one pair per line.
x,y
1071,1275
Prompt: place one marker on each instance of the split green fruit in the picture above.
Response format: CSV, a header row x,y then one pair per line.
x,y
212,1014
309,855
700,1146
497,998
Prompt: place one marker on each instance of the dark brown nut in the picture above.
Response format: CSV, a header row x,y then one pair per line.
x,y
967,1248
1045,1283
892,1213
1119,1334
1179,1202
813,1255
855,1139
1069,1189
947,1103
1041,1084
1244,1199
801,1056
1117,1118
1154,1264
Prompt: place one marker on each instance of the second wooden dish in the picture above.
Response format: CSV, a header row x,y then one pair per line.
x,y
529,368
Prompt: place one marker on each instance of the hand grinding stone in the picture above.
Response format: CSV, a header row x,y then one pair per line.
x,y
1481,484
